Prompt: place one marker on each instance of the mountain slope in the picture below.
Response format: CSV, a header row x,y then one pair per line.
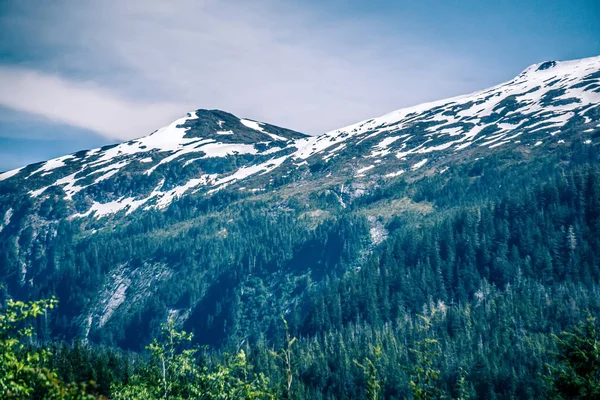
x,y
263,214
548,104
204,149
536,106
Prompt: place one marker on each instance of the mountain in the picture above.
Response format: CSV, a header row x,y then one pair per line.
x,y
207,151
482,208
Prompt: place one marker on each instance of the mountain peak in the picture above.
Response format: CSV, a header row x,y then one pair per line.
x,y
550,103
205,149
228,128
563,68
214,126
546,65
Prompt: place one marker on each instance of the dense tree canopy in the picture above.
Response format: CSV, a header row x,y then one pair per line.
x,y
477,270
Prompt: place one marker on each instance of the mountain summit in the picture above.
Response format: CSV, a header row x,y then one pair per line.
x,y
478,214
548,104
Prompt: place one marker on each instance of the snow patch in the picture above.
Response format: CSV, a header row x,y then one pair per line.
x,y
52,164
394,174
419,164
10,174
361,171
6,220
276,137
252,124
100,210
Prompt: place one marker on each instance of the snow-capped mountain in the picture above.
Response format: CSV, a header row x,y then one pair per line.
x,y
548,104
267,213
206,150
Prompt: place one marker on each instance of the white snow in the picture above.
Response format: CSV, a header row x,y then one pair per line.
x,y
6,220
111,170
168,138
10,174
70,187
276,137
498,144
419,164
252,124
245,172
52,164
36,193
454,125
210,149
361,171
191,160
226,149
106,176
257,127
307,147
103,209
333,152
166,198
476,106
394,174
382,147
92,152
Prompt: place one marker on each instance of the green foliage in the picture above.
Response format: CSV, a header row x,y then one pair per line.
x,y
424,376
22,368
369,368
173,373
504,252
463,386
576,374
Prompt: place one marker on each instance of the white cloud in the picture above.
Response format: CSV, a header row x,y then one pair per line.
x,y
81,104
125,68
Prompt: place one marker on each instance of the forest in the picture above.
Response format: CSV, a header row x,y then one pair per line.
x,y
486,286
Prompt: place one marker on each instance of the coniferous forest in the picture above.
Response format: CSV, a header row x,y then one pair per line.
x,y
485,286
221,200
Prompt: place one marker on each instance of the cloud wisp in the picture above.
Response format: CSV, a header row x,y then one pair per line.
x,y
123,69
79,104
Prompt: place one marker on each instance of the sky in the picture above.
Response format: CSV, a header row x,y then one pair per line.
x,y
78,74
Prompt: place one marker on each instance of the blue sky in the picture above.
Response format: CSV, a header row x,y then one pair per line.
x,y
77,74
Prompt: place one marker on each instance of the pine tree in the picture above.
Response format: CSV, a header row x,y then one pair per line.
x,y
576,374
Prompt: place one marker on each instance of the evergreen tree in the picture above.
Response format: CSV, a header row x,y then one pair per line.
x,y
577,372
